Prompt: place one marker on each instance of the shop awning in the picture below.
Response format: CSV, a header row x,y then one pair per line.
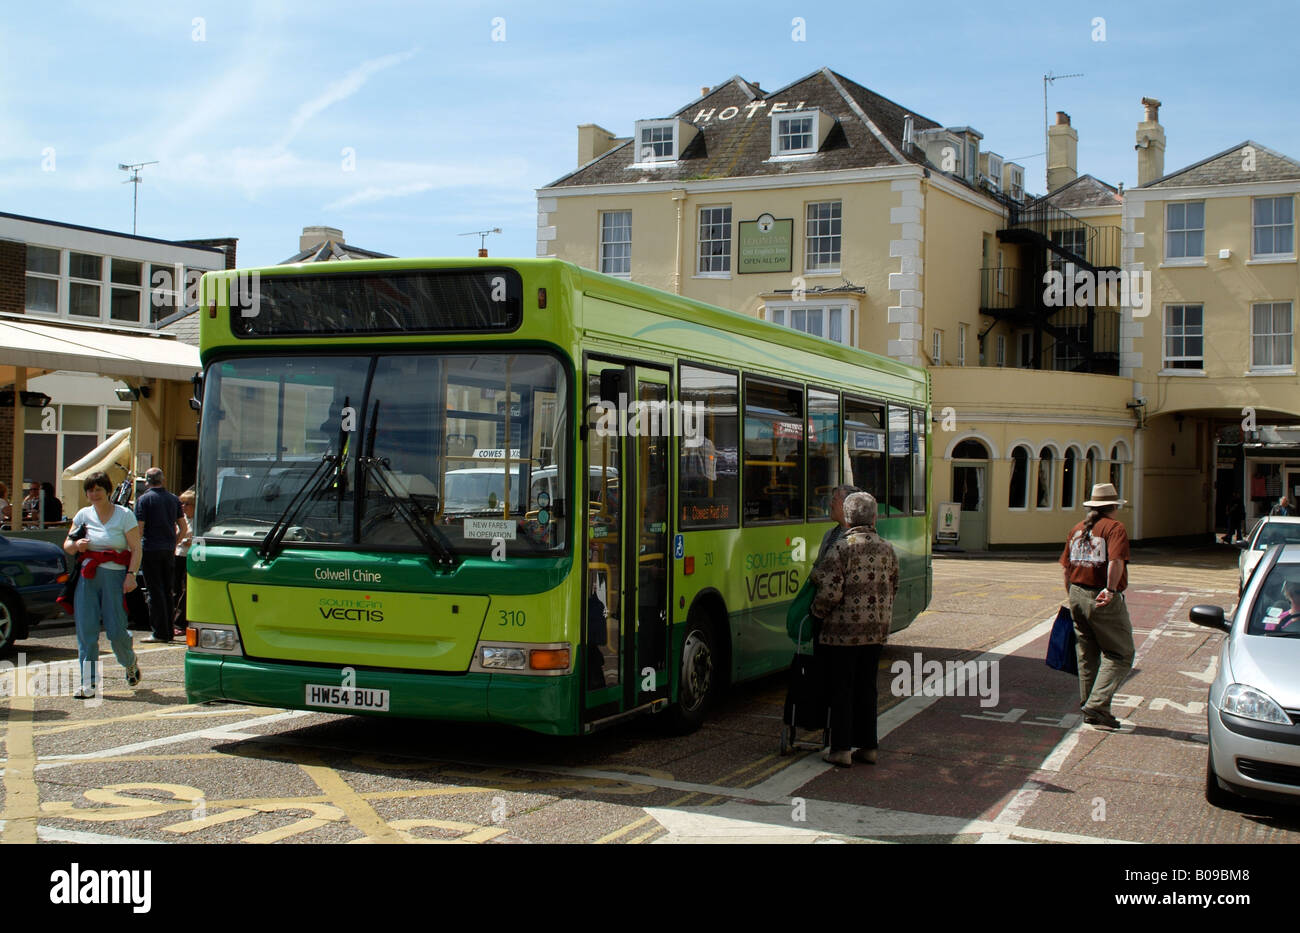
x,y
50,347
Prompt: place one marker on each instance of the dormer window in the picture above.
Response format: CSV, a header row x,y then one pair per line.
x,y
660,141
800,133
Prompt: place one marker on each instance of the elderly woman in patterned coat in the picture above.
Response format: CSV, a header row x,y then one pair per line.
x,y
856,583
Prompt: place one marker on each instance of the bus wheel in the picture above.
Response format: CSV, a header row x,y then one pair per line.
x,y
699,679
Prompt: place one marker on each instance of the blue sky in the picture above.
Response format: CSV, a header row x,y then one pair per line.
x,y
451,131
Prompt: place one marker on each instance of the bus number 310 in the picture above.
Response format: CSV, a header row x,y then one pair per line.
x,y
513,617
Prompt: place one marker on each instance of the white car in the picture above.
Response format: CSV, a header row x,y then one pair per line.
x,y
1254,702
1268,532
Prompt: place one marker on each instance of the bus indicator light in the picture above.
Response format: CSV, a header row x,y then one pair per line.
x,y
550,659
689,565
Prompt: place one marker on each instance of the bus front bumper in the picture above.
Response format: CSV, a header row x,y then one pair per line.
x,y
542,704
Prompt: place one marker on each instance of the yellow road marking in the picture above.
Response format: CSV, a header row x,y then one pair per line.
x,y
152,714
473,833
625,830
22,800
340,792
780,765
644,836
739,771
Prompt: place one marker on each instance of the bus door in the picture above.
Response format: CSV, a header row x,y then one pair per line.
x,y
625,624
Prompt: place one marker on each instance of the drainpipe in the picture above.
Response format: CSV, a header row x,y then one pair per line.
x,y
679,197
16,490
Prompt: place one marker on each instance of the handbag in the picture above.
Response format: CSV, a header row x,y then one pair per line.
x,y
800,623
1061,647
67,596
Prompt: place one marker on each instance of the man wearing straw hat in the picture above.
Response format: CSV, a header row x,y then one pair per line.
x,y
1096,561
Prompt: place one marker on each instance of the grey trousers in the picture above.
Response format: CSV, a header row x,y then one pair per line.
x,y
1105,648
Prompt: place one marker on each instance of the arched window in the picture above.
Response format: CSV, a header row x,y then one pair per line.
x,y
1019,490
970,449
1046,471
1090,472
1068,479
1118,457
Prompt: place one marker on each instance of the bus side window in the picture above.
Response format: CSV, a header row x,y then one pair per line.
x,y
900,460
864,435
823,452
709,456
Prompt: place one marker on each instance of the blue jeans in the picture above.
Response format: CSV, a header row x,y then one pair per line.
x,y
99,600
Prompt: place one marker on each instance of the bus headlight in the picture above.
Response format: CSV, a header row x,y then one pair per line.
x,y
549,660
223,639
512,659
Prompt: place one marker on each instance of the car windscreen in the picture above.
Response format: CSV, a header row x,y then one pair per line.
x,y
1276,610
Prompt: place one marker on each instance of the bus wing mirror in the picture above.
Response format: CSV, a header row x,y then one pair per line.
x,y
611,386
196,402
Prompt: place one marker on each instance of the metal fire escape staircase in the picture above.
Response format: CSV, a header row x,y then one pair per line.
x,y
1083,338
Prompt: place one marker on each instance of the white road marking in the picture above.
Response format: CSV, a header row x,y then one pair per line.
x,y
784,783
219,733
1027,796
741,821
1206,676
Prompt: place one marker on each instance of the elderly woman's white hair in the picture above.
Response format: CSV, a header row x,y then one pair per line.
x,y
860,509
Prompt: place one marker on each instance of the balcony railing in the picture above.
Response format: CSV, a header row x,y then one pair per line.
x,y
1066,236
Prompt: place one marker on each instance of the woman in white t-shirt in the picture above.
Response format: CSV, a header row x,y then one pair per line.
x,y
110,557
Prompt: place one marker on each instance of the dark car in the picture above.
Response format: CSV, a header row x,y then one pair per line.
x,y
31,577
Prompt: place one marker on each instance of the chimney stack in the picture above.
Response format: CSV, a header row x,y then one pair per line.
x,y
1150,143
593,141
1062,153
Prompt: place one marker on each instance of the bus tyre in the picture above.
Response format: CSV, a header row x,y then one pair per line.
x,y
699,679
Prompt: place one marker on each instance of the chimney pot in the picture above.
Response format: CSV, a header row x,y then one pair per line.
x,y
1062,118
705,90
1153,109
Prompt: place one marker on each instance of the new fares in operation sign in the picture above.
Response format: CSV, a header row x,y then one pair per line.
x,y
765,245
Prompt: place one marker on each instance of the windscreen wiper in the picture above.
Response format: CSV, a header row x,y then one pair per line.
x,y
315,484
435,542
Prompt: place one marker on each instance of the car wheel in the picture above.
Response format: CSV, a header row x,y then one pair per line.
x,y
699,679
9,616
1215,795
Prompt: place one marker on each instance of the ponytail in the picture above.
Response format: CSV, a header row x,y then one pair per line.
x,y
1094,516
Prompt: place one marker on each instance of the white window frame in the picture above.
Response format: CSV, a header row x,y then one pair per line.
x,y
1029,476
1186,257
602,243
652,126
779,312
1283,338
101,283
813,133
1255,227
1016,183
936,346
1166,336
834,225
1002,350
701,259
961,344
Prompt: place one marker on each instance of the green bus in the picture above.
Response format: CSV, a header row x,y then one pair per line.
x,y
519,491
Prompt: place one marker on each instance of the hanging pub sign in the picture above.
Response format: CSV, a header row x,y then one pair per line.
x,y
765,245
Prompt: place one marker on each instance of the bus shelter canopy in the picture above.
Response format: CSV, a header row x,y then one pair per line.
x,y
50,347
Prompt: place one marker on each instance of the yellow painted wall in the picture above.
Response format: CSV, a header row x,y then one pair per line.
x,y
1032,407
865,259
1227,288
1176,490
953,251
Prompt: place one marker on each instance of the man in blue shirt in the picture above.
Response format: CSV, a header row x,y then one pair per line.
x,y
162,522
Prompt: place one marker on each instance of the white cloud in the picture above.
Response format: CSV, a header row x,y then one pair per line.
x,y
340,90
372,194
